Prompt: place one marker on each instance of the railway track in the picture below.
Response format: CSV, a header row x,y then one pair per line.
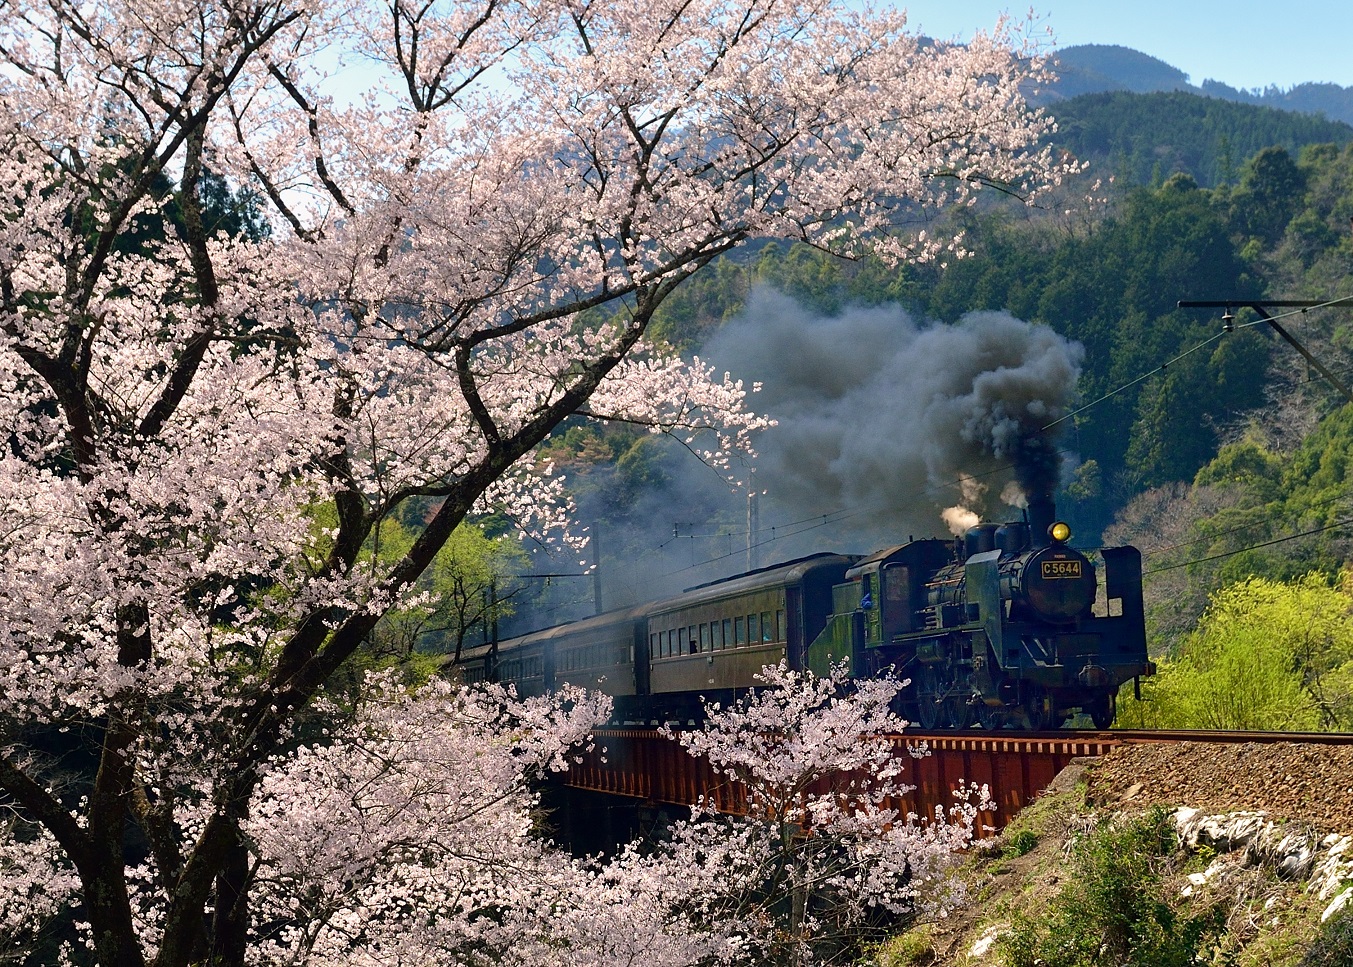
x,y
1127,737
645,765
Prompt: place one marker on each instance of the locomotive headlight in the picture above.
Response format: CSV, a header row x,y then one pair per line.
x,y
1060,532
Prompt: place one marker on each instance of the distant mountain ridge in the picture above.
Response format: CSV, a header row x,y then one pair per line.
x,y
1100,68
1144,138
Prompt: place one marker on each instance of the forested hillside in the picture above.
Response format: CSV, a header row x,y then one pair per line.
x,y
1142,139
1096,68
1208,445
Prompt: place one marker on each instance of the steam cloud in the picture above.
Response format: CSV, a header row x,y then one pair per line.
x,y
898,423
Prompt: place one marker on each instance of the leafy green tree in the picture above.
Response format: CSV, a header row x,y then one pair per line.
x,y
1245,462
807,274
1267,655
701,303
1271,192
1271,497
462,594
466,588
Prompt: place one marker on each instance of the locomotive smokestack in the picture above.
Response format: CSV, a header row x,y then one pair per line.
x,y
1042,515
1037,468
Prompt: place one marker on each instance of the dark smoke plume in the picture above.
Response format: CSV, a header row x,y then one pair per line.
x,y
889,427
895,422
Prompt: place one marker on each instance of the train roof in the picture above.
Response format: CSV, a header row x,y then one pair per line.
x,y
776,575
632,613
771,570
468,653
879,556
876,557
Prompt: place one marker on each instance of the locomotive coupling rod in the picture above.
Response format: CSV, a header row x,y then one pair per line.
x,y
1262,306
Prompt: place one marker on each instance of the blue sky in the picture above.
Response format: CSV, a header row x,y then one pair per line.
x,y
1245,43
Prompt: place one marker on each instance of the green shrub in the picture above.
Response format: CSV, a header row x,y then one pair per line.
x,y
1112,909
1333,946
910,949
1020,843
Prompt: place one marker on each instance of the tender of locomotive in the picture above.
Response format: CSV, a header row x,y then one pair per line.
x,y
1008,626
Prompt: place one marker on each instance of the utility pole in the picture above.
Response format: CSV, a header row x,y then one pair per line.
x,y
1262,306
595,545
492,662
753,525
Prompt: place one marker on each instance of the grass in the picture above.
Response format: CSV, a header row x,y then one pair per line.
x,y
1113,909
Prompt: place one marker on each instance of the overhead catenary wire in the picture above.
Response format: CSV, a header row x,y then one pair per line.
x,y
1128,385
1236,530
1188,352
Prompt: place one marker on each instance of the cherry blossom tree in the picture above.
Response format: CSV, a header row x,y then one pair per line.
x,y
457,258
823,861
408,837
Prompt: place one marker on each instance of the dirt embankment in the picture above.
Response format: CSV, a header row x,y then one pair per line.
x,y
1312,783
1269,918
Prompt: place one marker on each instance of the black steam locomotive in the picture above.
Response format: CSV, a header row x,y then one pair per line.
x,y
1006,626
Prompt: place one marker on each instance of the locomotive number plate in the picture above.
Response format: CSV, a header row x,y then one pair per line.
x,y
1061,569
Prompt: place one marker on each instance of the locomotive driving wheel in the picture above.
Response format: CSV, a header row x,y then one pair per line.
x,y
931,712
1040,711
961,713
991,718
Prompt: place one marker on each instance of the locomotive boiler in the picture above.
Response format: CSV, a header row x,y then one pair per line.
x,y
1009,626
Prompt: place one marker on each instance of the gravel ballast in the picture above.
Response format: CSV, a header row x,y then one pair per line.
x,y
1299,781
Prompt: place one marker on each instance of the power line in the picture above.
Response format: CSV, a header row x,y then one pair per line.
x,y
1252,547
1270,320
1147,375
1235,530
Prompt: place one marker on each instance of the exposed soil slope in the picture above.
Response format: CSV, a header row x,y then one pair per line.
x,y
1312,783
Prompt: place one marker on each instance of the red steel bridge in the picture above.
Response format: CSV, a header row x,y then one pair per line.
x,y
648,767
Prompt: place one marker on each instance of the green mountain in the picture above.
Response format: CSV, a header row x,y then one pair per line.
x,y
1144,138
1097,68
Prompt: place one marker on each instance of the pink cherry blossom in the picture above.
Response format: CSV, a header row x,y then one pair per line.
x,y
460,255
820,776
